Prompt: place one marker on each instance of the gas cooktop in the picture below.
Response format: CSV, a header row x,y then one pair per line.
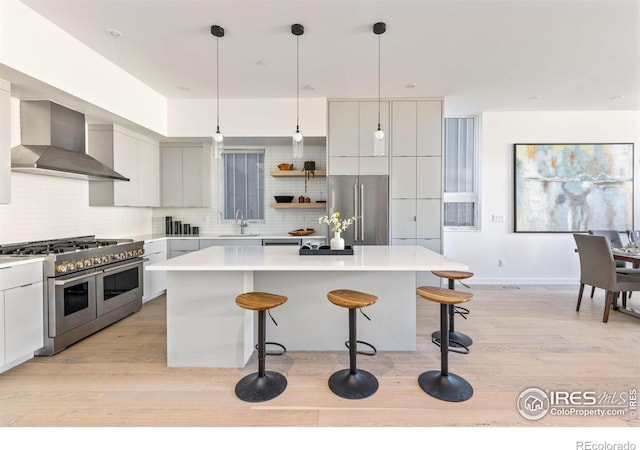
x,y
56,246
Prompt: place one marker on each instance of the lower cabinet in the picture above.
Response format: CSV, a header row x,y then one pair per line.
x,y
21,313
155,283
242,242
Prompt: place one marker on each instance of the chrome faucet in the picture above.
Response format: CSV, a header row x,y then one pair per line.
x,y
243,223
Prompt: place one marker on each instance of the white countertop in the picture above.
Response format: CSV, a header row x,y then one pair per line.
x,y
10,261
259,236
275,258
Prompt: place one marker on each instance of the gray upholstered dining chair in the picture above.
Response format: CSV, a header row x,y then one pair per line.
x,y
598,269
613,236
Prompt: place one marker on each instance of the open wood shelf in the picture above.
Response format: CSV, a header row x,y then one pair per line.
x,y
297,173
298,205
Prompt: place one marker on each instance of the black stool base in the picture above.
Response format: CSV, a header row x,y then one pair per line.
x,y
455,339
361,384
254,388
451,388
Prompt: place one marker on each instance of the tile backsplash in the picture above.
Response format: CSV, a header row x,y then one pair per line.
x,y
47,207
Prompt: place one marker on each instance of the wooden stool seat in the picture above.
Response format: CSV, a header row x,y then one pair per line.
x,y
262,385
259,301
440,383
443,296
452,274
351,299
353,383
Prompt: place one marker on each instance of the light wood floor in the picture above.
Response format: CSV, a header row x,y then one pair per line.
x,y
523,337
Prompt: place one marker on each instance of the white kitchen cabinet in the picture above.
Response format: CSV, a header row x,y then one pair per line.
x,y
429,177
416,128
155,283
23,320
416,171
131,154
21,313
403,177
240,242
5,142
178,247
186,175
350,137
148,173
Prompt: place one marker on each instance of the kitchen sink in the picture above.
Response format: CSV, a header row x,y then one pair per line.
x,y
238,235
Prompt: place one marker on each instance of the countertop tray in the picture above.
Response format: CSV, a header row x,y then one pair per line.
x,y
325,250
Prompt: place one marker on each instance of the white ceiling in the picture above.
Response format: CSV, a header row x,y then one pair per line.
x,y
480,55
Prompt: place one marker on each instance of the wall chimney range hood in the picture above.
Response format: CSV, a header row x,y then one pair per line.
x,y
53,143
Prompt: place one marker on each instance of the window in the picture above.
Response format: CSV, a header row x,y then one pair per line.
x,y
243,184
460,173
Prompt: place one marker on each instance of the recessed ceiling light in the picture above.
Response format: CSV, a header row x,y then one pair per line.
x,y
410,85
113,32
309,87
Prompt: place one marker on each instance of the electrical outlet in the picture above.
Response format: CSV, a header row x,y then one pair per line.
x,y
501,263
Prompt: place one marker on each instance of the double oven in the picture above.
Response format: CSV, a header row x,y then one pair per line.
x,y
89,284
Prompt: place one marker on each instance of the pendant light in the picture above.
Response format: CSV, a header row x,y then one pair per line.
x,y
218,138
378,135
297,30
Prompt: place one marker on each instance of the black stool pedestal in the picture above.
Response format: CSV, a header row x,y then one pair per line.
x,y
353,383
262,385
260,388
456,339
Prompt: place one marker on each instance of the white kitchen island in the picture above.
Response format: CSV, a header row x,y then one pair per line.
x,y
205,327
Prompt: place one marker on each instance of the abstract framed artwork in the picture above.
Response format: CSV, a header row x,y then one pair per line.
x,y
567,188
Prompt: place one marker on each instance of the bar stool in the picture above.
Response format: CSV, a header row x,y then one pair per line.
x,y
440,383
262,385
353,383
456,339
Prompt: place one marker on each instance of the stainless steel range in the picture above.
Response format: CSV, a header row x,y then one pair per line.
x,y
88,283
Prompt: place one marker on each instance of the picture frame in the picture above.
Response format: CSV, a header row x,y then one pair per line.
x,y
573,188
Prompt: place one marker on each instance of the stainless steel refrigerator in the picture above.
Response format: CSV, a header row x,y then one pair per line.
x,y
367,198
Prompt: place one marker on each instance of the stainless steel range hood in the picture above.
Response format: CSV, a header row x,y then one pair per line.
x,y
53,143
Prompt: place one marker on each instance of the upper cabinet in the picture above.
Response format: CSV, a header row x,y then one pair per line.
x,y
186,175
350,137
5,142
416,128
134,156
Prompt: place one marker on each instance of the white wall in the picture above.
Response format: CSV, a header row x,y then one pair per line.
x,y
530,258
32,45
247,117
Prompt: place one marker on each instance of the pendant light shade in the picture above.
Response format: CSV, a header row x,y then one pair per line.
x,y
218,138
298,140
378,135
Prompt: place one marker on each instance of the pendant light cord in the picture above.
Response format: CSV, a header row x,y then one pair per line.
x,y
217,86
378,82
297,84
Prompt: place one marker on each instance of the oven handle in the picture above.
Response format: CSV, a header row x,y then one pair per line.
x,y
74,279
122,266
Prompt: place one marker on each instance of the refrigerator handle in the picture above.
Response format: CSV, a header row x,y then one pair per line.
x,y
362,212
355,209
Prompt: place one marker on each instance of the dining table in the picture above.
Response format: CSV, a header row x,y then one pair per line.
x,y
631,256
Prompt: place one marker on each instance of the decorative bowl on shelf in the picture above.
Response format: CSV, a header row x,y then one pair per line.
x,y
285,166
283,198
302,232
